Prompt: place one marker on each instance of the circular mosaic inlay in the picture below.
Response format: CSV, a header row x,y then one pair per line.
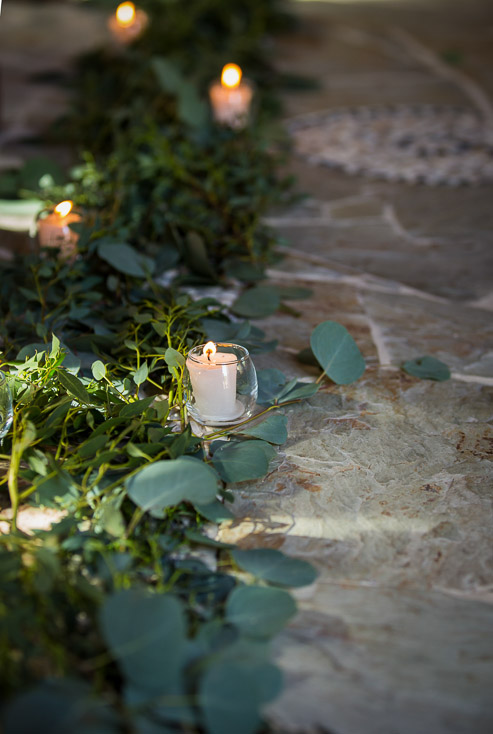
x,y
418,144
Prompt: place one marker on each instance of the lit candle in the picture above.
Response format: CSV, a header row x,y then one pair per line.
x,y
128,23
213,378
54,230
231,97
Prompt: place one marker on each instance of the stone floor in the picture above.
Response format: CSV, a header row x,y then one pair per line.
x,y
385,485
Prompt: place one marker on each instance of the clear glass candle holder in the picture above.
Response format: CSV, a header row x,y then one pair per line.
x,y
6,409
220,389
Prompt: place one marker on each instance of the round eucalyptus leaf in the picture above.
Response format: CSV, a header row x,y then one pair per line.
x,y
58,707
167,483
257,302
273,429
98,370
254,656
229,700
337,352
270,383
259,611
146,634
174,358
273,566
215,511
141,375
239,461
427,368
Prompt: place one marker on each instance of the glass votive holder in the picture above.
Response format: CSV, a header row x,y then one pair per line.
x,y
220,384
54,229
231,98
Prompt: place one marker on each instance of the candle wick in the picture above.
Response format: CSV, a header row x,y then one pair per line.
x,y
209,352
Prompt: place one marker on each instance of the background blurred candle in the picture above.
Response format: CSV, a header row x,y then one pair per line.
x,y
127,23
231,98
54,230
213,378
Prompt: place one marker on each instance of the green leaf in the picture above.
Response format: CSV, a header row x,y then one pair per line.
x,y
98,370
273,388
270,382
89,448
273,429
73,385
58,707
214,512
299,391
111,518
71,363
259,611
143,318
246,271
55,346
228,697
192,109
195,536
125,259
50,488
162,409
337,352
253,656
196,256
146,634
141,374
168,75
239,461
273,566
167,483
136,452
173,358
138,407
293,293
427,368
257,302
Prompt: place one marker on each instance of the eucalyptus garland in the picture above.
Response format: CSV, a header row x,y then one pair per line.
x,y
127,615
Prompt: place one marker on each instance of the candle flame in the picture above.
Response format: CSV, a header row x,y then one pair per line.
x,y
64,208
231,76
125,14
209,350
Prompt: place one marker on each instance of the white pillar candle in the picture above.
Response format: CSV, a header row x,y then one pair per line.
x,y
54,230
231,97
213,378
128,23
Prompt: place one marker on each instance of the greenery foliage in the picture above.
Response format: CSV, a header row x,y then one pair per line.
x,y
129,615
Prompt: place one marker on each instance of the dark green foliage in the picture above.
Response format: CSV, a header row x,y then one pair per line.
x,y
118,624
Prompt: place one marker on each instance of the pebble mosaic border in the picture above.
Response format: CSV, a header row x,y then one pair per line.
x,y
418,144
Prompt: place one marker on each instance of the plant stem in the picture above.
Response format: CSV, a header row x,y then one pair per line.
x,y
135,519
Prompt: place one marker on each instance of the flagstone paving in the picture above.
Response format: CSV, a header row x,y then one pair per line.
x,y
384,485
